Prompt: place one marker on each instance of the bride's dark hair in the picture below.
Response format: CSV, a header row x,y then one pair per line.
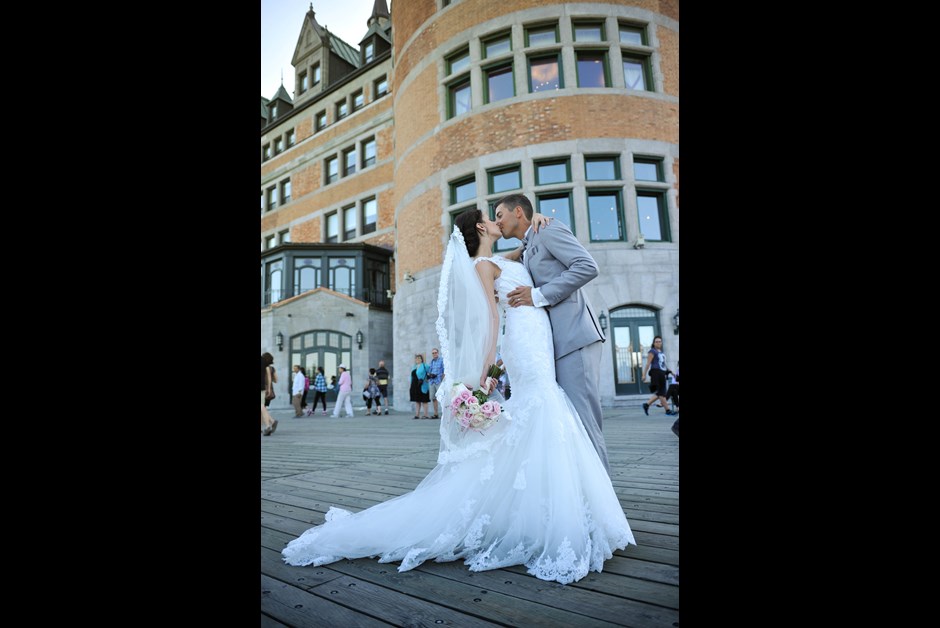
x,y
467,223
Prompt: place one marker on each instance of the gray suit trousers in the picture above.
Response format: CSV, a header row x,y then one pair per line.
x,y
579,374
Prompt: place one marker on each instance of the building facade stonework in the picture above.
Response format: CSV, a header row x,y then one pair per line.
x,y
575,105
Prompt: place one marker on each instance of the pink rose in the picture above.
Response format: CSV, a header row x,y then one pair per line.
x,y
490,409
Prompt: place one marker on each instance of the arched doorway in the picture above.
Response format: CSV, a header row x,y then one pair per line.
x,y
632,330
321,347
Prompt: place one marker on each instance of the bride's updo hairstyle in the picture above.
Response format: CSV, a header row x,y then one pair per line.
x,y
467,223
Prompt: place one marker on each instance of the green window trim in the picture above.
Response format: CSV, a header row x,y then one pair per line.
x,y
452,89
569,194
575,25
458,183
495,172
662,206
600,158
592,51
458,56
541,57
502,66
552,162
493,39
620,216
644,41
541,27
650,161
644,61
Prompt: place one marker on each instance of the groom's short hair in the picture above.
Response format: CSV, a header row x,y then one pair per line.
x,y
513,200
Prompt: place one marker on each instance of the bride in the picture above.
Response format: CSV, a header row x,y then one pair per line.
x,y
529,490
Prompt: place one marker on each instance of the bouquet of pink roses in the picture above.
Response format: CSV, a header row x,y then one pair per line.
x,y
473,409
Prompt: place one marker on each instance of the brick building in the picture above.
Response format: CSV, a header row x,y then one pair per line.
x,y
450,104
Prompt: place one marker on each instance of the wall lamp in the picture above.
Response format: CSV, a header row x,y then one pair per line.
x,y
603,321
409,277
359,338
279,339
675,322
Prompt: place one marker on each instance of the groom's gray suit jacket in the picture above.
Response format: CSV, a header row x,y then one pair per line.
x,y
560,266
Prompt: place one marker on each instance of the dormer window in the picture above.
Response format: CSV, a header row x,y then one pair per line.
x,y
369,52
273,111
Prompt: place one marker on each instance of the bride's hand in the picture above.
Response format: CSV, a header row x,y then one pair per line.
x,y
538,220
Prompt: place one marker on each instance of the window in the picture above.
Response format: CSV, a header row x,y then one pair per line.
x,y
269,242
381,87
459,98
589,31
554,171
458,61
262,208
316,73
604,215
266,152
341,110
306,274
285,191
349,222
358,100
633,35
349,161
651,215
303,82
332,169
601,168
332,227
504,179
368,152
545,73
321,121
636,73
541,35
278,146
284,236
370,215
499,83
343,275
647,169
556,205
592,69
369,52
463,190
272,198
273,277
273,110
290,138
496,45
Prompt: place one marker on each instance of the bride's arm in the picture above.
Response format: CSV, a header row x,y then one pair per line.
x,y
488,272
538,221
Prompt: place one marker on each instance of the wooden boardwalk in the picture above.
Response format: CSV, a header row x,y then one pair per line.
x,y
312,463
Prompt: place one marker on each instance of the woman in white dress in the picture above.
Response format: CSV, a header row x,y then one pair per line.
x,y
529,490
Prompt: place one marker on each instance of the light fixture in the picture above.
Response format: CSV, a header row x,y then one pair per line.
x,y
409,277
279,339
603,320
359,338
389,294
675,322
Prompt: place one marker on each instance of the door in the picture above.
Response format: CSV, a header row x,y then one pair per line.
x,y
633,330
324,348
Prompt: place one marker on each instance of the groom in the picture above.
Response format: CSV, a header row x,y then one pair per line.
x,y
559,267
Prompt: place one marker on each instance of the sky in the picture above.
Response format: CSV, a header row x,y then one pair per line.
x,y
281,21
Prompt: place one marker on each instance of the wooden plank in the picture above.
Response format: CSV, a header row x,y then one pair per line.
x,y
652,554
295,607
270,622
655,572
628,605
273,566
391,606
493,606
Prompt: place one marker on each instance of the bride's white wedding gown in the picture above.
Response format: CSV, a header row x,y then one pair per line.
x,y
529,491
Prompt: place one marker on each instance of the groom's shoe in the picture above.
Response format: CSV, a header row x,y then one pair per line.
x,y
646,408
